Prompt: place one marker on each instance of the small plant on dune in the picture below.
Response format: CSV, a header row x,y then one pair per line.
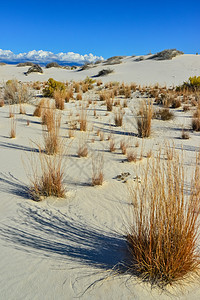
x,y
38,110
123,146
83,119
97,169
22,110
109,103
16,93
47,179
196,120
185,134
162,236
144,120
164,114
79,96
52,86
131,155
112,145
59,96
13,128
82,149
118,117
51,130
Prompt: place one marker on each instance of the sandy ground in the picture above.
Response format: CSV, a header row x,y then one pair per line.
x,y
72,248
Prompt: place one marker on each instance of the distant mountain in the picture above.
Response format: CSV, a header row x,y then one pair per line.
x,y
43,57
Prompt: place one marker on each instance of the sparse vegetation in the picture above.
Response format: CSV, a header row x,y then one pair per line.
x,y
144,120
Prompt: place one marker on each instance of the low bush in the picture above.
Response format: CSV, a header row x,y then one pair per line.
x,y
52,86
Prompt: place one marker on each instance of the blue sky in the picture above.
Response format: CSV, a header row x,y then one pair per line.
x,y
104,28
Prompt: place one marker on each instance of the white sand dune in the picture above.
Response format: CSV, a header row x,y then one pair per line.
x,y
71,248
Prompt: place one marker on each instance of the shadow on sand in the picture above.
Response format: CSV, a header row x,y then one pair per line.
x,y
42,232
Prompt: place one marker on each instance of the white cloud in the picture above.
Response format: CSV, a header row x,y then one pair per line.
x,y
47,56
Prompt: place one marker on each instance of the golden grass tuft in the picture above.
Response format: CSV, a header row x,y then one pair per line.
x,y
144,120
47,179
51,130
59,96
162,236
13,128
38,110
97,169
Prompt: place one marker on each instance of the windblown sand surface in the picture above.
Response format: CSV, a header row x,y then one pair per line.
x,y
75,247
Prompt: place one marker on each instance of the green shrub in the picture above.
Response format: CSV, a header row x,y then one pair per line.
x,y
193,84
52,86
195,81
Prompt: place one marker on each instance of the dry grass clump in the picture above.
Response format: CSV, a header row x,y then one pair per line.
x,y
13,128
47,180
79,96
118,117
51,130
38,111
97,169
131,155
22,110
59,96
123,146
162,237
185,135
112,145
164,114
16,93
109,103
82,149
196,120
77,87
83,119
144,120
186,108
176,103
36,85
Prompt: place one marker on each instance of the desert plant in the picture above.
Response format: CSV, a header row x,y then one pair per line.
x,y
109,103
118,117
185,134
83,119
13,128
59,96
131,155
144,120
79,96
164,114
112,145
97,169
82,149
52,86
51,129
47,179
38,110
163,233
16,93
